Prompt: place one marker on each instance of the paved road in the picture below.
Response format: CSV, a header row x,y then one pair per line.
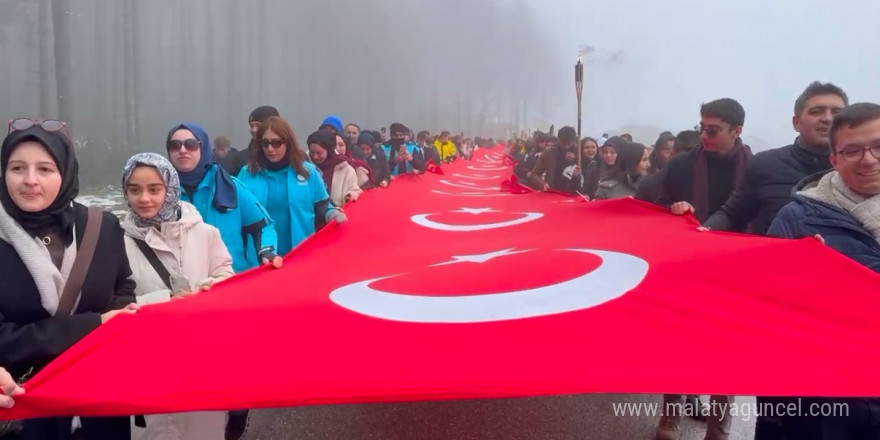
x,y
583,417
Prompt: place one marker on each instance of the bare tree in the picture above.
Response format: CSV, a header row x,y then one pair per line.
x,y
46,63
61,20
131,71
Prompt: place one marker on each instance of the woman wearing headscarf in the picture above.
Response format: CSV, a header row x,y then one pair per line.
x,y
52,295
380,175
173,254
223,202
601,167
361,168
623,179
339,177
290,188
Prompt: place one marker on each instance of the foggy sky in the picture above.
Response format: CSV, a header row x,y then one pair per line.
x,y
680,53
460,65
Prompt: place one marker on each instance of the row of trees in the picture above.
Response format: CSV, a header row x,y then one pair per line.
x,y
123,71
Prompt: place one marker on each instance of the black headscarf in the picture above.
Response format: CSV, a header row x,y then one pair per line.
x,y
59,217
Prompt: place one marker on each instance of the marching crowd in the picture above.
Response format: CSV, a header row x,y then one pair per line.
x,y
824,185
195,216
202,213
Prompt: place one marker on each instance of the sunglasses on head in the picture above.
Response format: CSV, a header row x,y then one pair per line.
x,y
48,125
191,145
275,143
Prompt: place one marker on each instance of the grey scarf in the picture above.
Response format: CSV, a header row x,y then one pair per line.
x,y
832,190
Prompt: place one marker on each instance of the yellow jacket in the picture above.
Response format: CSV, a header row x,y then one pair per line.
x,y
447,150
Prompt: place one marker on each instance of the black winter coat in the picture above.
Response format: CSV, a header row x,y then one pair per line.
x,y
31,338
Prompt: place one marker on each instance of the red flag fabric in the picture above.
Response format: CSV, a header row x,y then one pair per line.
x,y
512,184
432,167
447,287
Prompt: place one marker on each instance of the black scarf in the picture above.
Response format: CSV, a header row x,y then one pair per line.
x,y
59,217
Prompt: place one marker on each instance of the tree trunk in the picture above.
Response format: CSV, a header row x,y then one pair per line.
x,y
61,17
130,73
44,44
233,32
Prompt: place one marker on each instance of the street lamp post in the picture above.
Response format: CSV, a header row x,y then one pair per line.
x,y
579,87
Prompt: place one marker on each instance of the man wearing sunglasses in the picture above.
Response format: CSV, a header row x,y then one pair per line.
x,y
772,174
699,182
767,187
841,207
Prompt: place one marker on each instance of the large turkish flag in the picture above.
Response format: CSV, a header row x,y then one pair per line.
x,y
446,286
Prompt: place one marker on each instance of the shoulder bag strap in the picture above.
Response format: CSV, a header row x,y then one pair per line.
x,y
73,286
154,261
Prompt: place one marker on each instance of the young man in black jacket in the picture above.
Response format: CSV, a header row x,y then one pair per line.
x,y
767,187
772,174
701,181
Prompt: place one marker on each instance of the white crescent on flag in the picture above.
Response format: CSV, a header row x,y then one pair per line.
x,y
423,220
618,274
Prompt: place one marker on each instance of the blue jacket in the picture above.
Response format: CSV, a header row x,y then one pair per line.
x,y
805,217
417,162
247,221
293,201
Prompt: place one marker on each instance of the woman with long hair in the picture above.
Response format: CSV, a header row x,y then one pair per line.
x,y
290,188
65,270
361,168
338,175
173,254
623,179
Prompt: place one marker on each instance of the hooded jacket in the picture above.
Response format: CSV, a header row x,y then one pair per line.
x,y
193,249
447,150
188,247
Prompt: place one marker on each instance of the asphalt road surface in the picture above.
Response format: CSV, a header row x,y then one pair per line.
x,y
582,417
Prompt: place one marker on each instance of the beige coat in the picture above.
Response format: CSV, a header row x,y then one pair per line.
x,y
193,249
345,183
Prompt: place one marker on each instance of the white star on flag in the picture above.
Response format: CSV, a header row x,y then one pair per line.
x,y
476,211
482,258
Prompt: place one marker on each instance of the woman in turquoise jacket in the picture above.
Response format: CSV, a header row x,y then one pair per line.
x,y
245,226
291,189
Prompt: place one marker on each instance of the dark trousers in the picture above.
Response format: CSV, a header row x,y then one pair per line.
x,y
93,428
769,427
860,422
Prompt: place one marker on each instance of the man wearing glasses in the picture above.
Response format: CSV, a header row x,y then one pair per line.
x,y
772,174
841,207
700,181
769,179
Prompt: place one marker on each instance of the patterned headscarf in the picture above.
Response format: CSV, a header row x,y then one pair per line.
x,y
170,210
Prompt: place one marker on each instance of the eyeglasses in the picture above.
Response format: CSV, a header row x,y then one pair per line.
x,y
275,143
711,130
857,154
48,125
191,145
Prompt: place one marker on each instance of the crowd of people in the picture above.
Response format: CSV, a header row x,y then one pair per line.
x,y
197,215
825,185
202,213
